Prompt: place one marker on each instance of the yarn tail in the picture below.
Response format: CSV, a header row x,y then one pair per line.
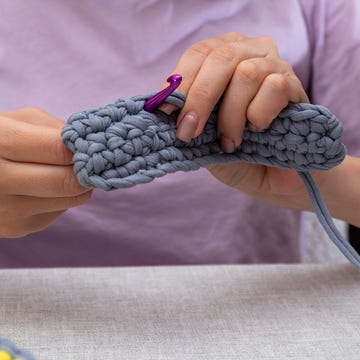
x,y
326,220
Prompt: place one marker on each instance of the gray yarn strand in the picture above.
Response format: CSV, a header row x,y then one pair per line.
x,y
121,145
326,220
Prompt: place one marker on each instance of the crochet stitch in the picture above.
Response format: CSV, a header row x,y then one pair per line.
x,y
121,145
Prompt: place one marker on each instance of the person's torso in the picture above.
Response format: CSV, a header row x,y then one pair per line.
x,y
66,56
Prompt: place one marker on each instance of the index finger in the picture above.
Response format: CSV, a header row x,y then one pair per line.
x,y
25,142
209,75
35,116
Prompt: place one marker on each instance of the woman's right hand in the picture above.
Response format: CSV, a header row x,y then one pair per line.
x,y
37,181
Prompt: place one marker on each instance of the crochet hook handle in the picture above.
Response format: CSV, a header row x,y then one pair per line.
x,y
155,101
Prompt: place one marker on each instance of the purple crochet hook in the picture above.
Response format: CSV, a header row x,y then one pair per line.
x,y
155,101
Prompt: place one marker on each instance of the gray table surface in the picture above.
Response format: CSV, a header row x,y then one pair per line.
x,y
190,312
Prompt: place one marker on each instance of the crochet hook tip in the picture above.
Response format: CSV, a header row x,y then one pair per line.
x,y
174,79
155,101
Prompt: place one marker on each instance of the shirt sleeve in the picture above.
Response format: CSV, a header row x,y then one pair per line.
x,y
334,32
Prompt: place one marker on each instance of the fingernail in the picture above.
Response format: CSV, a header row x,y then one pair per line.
x,y
227,145
167,108
187,126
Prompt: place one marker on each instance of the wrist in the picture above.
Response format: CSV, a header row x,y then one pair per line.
x,y
340,190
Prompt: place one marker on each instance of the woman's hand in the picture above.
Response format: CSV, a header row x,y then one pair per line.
x,y
37,182
255,85
254,82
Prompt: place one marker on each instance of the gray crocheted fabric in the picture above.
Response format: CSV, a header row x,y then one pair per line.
x,y
121,145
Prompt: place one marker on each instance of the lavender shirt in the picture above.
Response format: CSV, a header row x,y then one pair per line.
x,y
65,56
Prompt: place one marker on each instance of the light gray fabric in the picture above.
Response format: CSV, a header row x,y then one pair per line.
x,y
203,312
316,247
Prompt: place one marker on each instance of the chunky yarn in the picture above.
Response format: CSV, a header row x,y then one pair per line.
x,y
121,145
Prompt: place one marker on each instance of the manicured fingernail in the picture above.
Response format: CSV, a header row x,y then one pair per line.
x,y
227,145
167,108
187,126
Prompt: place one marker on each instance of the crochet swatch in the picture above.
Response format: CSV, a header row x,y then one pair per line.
x,y
121,145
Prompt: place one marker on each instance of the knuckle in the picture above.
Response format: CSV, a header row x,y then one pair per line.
x,y
278,83
247,71
234,36
226,53
69,184
268,41
202,93
201,48
287,66
60,152
257,119
33,110
268,45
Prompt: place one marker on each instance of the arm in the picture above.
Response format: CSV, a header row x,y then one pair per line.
x,y
341,190
338,186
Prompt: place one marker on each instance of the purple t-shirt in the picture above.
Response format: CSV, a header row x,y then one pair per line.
x,y
65,56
